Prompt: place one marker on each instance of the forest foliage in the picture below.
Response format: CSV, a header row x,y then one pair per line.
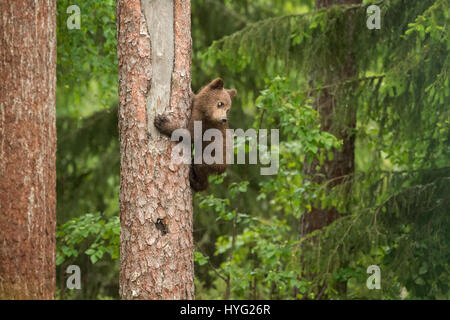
x,y
393,209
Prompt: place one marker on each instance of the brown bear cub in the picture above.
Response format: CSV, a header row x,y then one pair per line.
x,y
210,106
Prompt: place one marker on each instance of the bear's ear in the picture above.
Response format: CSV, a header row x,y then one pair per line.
x,y
216,84
232,93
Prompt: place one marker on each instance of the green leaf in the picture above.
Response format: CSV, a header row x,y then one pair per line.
x,y
94,258
200,258
90,252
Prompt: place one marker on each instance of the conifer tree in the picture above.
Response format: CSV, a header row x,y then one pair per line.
x,y
156,249
27,149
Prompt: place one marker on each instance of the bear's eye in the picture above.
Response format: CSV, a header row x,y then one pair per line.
x,y
220,104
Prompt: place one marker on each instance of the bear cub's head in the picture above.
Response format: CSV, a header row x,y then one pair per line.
x,y
214,101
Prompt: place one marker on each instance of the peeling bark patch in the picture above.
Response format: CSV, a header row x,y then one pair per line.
x,y
159,21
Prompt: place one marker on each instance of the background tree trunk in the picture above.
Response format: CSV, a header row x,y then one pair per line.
x,y
27,149
154,50
342,167
343,163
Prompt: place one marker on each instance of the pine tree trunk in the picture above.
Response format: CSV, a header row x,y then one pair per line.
x,y
156,250
342,167
343,163
27,149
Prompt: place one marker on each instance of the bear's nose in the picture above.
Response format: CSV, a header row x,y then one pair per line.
x,y
224,120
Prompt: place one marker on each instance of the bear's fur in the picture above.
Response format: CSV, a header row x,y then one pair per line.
x,y
210,106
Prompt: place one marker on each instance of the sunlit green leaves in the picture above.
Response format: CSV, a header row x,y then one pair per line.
x,y
101,235
200,258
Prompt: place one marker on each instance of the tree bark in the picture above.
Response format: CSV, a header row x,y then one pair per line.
x,y
27,149
154,50
343,164
342,167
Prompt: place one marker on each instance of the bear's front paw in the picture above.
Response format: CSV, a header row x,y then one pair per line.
x,y
161,122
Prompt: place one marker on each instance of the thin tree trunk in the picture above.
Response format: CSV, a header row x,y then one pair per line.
x,y
27,149
154,50
342,167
